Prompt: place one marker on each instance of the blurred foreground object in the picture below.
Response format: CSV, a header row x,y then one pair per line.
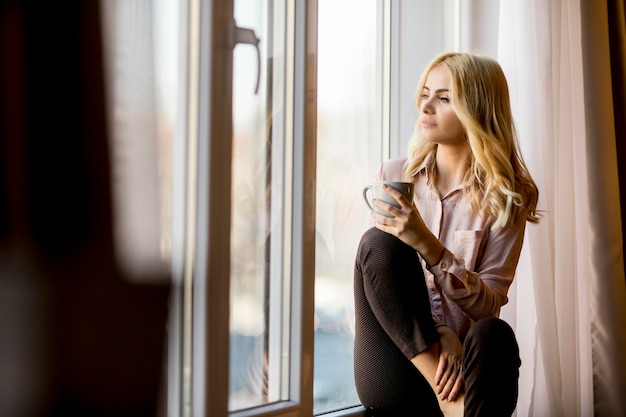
x,y
77,337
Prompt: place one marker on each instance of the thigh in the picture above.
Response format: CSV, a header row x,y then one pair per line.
x,y
389,283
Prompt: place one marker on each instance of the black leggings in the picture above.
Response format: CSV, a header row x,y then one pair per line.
x,y
394,323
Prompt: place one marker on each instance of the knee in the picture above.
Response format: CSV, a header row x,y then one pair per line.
x,y
492,327
375,238
385,249
381,254
492,334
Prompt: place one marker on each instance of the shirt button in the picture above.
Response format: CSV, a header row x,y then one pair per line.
x,y
444,265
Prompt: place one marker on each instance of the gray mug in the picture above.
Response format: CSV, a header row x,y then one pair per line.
x,y
378,193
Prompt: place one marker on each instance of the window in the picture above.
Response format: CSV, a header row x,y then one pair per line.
x,y
250,223
349,148
260,276
246,271
365,115
248,204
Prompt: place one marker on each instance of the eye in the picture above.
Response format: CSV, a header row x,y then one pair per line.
x,y
424,96
444,99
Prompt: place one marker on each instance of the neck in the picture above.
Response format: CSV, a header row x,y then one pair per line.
x,y
451,164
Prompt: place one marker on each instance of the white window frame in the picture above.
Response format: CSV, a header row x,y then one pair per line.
x,y
201,269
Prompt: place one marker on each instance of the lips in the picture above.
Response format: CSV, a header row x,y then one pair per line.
x,y
427,124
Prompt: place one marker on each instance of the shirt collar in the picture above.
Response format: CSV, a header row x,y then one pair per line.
x,y
422,169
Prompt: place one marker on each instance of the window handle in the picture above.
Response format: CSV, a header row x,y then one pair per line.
x,y
246,36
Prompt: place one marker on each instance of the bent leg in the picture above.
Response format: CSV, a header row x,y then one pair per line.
x,y
491,369
393,324
394,284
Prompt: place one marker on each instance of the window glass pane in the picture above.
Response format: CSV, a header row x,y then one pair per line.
x,y
259,280
349,150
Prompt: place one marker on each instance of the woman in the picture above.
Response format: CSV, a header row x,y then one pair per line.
x,y
431,279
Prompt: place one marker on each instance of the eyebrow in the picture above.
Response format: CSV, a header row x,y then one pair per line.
x,y
441,90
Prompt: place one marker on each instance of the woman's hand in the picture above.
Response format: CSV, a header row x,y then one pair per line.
x,y
408,226
449,376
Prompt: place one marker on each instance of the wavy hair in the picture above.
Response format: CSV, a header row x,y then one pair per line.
x,y
499,183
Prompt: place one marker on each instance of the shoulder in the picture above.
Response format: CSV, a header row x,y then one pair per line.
x,y
392,170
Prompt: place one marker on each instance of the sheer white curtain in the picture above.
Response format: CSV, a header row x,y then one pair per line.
x,y
539,49
554,305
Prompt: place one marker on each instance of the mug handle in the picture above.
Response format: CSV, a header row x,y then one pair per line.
x,y
365,190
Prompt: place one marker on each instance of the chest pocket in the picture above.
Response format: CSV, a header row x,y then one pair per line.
x,y
467,246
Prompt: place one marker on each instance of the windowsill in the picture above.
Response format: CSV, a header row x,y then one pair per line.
x,y
349,412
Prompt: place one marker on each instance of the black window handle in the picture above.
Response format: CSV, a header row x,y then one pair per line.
x,y
246,36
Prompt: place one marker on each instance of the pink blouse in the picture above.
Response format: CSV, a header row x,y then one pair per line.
x,y
482,259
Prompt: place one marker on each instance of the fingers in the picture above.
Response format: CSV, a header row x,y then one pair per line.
x,y
403,209
399,197
383,205
394,192
445,371
452,387
404,222
402,212
448,378
441,370
456,389
447,382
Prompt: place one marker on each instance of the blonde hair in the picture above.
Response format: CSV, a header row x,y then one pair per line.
x,y
499,181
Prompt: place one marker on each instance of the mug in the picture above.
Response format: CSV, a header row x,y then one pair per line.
x,y
378,193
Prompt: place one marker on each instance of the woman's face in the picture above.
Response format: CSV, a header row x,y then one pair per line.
x,y
437,119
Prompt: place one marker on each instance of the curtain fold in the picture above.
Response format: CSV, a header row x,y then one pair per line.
x,y
539,49
604,118
565,61
617,44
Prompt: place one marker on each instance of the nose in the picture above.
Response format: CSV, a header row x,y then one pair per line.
x,y
427,106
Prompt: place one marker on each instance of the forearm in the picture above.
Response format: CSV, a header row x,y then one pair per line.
x,y
430,249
